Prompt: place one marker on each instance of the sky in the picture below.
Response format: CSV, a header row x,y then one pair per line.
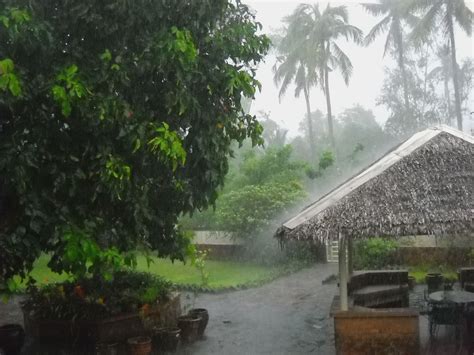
x,y
367,77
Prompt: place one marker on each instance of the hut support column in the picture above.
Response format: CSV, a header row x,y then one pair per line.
x,y
343,274
350,256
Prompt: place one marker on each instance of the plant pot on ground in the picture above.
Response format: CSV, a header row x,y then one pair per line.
x,y
189,326
139,345
204,314
166,339
11,338
434,281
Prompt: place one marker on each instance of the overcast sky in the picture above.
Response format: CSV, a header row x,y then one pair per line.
x,y
366,80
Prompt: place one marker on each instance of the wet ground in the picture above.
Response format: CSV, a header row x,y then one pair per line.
x,y
287,316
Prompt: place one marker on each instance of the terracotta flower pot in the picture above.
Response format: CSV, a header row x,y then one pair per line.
x,y
204,314
139,345
12,337
189,326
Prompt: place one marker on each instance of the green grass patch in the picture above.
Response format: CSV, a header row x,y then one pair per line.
x,y
222,274
419,273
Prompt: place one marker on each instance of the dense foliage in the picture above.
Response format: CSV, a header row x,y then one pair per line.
x,y
261,187
94,298
374,253
116,117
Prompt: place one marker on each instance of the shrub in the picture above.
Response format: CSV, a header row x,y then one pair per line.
x,y
374,253
95,298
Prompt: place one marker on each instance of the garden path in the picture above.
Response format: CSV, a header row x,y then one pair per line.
x,y
287,316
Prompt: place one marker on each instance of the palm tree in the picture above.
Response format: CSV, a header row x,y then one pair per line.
x,y
444,72
395,12
447,12
320,32
292,66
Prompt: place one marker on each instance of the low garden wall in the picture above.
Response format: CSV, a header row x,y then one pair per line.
x,y
112,329
376,331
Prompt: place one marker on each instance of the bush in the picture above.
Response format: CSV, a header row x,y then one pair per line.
x,y
374,253
95,298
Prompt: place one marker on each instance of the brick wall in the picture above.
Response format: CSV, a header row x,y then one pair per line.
x,y
385,331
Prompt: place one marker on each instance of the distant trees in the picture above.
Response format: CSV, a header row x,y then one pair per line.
x,y
444,14
395,14
311,35
294,65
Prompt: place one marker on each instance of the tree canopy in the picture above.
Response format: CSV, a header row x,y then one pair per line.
x,y
116,117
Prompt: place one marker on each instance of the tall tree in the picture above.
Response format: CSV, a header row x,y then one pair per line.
x,y
394,13
105,129
321,30
445,13
444,72
293,66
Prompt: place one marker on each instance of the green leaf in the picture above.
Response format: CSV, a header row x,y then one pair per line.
x,y
6,66
106,56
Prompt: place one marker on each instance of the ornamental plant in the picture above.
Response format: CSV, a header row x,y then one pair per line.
x,y
96,298
115,118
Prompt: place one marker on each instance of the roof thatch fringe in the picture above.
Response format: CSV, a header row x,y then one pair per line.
x,y
424,186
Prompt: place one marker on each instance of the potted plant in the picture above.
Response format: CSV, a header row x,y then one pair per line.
x,y
94,310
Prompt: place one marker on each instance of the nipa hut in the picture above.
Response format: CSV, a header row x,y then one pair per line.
x,y
423,186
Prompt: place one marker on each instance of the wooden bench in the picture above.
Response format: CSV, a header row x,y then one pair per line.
x,y
466,278
379,288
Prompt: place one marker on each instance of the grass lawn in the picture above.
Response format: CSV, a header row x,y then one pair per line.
x,y
419,273
222,274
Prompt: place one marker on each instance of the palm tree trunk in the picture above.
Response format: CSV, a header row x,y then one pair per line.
x,y
447,97
328,105
312,146
401,65
425,80
457,95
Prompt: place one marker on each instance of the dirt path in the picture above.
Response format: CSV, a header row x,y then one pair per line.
x,y
287,316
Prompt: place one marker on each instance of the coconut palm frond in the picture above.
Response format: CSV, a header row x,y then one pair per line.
x,y
426,24
375,9
464,17
343,62
378,29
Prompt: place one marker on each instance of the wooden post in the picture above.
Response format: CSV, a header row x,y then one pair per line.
x,y
350,256
343,274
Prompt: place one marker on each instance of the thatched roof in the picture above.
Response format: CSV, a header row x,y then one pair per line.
x,y
423,186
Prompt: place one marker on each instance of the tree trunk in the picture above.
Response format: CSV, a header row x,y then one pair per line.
x,y
401,64
425,81
328,105
312,146
457,95
447,97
